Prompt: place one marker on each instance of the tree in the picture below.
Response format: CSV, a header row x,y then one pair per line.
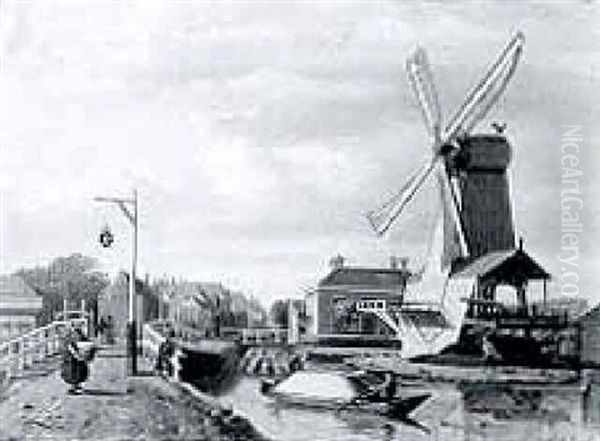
x,y
279,313
72,278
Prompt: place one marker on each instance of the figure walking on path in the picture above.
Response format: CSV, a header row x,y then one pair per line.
x,y
74,368
109,330
165,353
101,329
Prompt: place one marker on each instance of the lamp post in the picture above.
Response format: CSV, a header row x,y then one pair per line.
x,y
129,207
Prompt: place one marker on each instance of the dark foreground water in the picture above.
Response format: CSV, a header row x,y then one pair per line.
x,y
454,412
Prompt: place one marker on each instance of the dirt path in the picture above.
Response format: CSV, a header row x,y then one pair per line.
x,y
111,407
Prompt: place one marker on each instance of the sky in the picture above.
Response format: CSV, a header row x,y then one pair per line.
x,y
258,134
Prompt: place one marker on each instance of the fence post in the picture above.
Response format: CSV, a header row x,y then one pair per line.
x,y
47,342
34,347
37,346
43,344
53,340
21,353
9,358
57,337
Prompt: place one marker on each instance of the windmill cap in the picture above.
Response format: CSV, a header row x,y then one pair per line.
x,y
486,152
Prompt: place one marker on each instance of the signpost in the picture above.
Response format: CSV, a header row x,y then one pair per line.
x,y
129,207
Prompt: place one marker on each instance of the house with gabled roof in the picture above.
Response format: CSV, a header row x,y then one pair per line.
x,y
19,306
332,309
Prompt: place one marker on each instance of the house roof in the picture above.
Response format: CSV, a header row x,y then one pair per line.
x,y
505,265
15,286
360,276
18,298
187,289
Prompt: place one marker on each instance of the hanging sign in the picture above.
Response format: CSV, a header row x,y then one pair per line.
x,y
106,237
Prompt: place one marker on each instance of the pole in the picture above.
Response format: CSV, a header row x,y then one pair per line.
x,y
139,295
131,325
131,214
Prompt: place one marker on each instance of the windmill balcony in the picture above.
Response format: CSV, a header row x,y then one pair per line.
x,y
506,316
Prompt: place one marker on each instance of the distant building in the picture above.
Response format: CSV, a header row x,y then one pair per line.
x,y
114,302
589,337
19,306
332,316
189,303
207,306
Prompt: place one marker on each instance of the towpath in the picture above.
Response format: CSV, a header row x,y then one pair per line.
x,y
112,407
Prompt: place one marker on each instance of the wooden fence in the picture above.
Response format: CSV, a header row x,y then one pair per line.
x,y
20,353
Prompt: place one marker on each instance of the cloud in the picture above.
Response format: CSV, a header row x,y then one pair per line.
x,y
258,134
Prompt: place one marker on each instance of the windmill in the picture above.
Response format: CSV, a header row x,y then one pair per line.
x,y
449,150
477,219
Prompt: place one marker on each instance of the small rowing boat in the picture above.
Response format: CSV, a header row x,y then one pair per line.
x,y
339,391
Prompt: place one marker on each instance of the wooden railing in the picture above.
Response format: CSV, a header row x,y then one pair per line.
x,y
151,341
264,336
23,351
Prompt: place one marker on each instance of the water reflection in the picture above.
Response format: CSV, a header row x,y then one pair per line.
x,y
505,401
470,412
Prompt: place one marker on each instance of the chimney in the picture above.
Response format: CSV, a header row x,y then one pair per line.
x,y
337,262
404,263
393,262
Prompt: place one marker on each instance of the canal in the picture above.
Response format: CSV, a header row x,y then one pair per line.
x,y
454,412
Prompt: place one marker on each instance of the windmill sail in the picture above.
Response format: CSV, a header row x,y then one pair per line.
x,y
443,299
382,218
431,316
484,95
478,102
455,244
421,78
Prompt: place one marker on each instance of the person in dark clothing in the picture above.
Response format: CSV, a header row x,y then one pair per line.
x,y
101,329
74,369
165,352
110,330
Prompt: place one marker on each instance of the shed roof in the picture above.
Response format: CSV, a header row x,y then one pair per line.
x,y
505,265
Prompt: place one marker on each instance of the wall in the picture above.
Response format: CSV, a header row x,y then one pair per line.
x,y
369,324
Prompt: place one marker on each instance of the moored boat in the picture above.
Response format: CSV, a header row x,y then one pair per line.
x,y
210,364
338,391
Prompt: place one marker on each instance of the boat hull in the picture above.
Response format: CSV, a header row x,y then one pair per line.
x,y
211,366
399,408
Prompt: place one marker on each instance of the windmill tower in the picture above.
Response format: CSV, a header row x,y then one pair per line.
x,y
480,168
